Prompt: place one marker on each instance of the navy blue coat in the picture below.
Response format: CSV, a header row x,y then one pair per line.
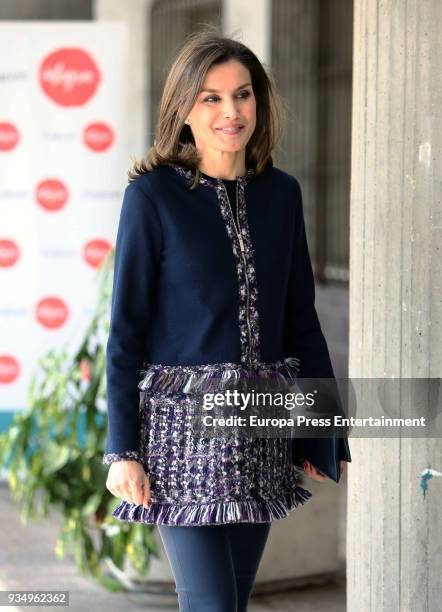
x,y
189,290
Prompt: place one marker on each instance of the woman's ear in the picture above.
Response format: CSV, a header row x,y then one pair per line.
x,y
182,117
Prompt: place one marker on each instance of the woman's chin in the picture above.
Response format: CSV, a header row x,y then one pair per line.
x,y
232,146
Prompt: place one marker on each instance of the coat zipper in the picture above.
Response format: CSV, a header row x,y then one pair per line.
x,y
241,244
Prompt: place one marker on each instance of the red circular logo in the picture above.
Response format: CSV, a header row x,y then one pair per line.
x,y
69,76
95,251
9,136
51,194
51,312
85,369
9,369
98,136
9,253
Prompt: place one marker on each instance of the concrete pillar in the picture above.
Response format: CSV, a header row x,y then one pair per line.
x,y
251,20
394,537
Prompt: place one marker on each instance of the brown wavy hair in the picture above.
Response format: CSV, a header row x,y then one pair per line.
x,y
174,142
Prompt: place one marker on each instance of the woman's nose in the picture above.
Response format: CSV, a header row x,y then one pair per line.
x,y
230,110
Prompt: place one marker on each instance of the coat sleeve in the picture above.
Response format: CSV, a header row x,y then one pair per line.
x,y
304,340
137,253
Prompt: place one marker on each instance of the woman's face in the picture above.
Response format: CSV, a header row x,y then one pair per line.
x,y
230,102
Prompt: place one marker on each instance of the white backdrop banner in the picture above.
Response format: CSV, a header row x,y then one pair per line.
x,y
63,165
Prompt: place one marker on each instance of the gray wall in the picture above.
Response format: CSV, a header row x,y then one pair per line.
x,y
45,9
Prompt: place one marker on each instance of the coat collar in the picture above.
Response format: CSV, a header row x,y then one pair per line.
x,y
209,181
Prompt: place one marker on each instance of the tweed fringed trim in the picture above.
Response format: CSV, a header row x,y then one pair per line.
x,y
215,513
109,458
159,378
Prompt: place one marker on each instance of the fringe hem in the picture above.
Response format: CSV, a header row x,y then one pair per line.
x,y
159,378
216,513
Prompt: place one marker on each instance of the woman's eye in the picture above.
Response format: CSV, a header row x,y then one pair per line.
x,y
242,94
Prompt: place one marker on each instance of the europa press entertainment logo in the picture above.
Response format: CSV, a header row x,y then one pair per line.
x,y
69,76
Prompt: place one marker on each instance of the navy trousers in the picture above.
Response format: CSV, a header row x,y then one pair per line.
x,y
214,566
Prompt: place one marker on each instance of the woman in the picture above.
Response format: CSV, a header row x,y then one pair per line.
x,y
212,283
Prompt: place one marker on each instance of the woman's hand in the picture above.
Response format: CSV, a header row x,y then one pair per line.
x,y
311,471
129,481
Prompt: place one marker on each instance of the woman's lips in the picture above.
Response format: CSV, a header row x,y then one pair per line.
x,y
230,131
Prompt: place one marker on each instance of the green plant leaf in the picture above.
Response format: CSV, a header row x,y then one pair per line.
x,y
54,457
92,504
53,453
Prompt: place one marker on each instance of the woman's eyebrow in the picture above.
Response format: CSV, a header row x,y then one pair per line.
x,y
216,90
